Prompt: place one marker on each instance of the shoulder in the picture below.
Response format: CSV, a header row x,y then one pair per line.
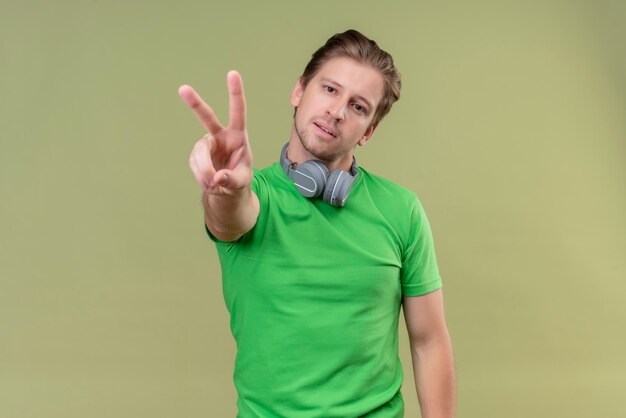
x,y
266,176
387,190
262,173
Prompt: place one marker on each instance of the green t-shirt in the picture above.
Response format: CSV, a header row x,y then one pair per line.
x,y
314,295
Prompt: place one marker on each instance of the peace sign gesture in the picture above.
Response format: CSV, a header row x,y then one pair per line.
x,y
221,160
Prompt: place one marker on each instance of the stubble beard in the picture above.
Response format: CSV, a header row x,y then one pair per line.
x,y
325,156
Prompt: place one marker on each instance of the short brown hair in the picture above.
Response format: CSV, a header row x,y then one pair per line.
x,y
353,44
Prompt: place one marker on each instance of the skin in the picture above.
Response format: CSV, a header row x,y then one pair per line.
x,y
221,162
341,98
431,354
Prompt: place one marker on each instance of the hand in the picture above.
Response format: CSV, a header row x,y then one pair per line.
x,y
221,160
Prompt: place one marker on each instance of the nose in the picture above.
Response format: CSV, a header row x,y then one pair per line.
x,y
337,111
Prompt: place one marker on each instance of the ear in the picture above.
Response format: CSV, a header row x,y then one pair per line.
x,y
367,135
296,93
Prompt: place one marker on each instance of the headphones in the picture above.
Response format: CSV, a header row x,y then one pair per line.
x,y
312,179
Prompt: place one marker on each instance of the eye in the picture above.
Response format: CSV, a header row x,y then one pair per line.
x,y
330,89
359,108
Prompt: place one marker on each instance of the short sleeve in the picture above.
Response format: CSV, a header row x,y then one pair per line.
x,y
420,273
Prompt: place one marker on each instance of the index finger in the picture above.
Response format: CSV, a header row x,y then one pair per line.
x,y
237,101
202,110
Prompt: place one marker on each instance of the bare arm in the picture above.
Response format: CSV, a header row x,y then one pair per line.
x,y
221,162
431,352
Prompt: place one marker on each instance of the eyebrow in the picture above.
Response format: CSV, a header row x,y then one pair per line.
x,y
328,80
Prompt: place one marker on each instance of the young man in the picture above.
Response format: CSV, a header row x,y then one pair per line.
x,y
318,254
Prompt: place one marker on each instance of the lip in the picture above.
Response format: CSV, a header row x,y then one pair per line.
x,y
320,125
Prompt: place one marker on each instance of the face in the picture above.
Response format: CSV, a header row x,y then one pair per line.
x,y
334,112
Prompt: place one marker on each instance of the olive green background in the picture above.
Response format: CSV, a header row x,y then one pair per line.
x,y
511,129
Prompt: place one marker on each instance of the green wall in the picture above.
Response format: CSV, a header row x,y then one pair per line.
x,y
511,128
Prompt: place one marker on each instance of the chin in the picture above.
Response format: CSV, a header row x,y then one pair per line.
x,y
321,149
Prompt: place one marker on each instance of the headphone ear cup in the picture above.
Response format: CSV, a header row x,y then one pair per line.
x,y
310,178
338,188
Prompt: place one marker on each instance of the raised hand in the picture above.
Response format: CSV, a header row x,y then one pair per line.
x,y
221,160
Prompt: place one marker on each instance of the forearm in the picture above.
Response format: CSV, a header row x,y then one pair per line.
x,y
433,369
228,217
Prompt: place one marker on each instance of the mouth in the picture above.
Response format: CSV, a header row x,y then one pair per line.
x,y
325,129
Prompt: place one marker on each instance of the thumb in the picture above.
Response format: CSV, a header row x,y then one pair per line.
x,y
225,179
232,180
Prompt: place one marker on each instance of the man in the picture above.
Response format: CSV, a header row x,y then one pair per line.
x,y
318,254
